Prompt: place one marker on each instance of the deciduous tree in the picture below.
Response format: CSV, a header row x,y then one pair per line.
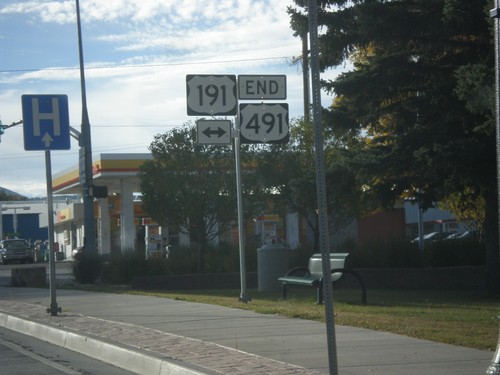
x,y
190,186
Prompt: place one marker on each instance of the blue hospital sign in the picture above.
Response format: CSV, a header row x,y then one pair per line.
x,y
46,122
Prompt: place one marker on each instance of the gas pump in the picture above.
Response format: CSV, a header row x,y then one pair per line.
x,y
153,239
268,228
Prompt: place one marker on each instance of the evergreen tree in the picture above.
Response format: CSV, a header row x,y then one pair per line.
x,y
420,97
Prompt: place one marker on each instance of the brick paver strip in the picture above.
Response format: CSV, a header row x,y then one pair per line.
x,y
203,354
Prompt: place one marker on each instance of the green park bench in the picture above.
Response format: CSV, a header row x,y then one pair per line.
x,y
313,275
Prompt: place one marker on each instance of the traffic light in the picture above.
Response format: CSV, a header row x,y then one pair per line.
x,y
98,191
1,128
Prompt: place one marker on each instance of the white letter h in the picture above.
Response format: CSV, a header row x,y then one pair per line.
x,y
37,116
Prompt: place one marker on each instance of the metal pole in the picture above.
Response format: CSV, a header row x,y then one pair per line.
x,y
1,222
494,368
53,309
305,78
14,222
86,177
420,225
495,13
324,241
241,228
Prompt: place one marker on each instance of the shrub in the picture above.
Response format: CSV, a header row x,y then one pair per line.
x,y
460,252
122,268
182,260
87,267
299,257
391,253
401,253
222,258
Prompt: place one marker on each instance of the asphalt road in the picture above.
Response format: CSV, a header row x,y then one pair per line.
x,y
26,355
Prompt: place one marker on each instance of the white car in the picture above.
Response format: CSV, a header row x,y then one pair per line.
x,y
433,237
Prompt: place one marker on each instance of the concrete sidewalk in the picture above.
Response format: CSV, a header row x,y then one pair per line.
x,y
150,335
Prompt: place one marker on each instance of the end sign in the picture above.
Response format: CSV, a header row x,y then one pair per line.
x,y
262,87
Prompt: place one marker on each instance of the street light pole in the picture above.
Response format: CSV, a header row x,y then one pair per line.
x,y
86,177
15,217
305,77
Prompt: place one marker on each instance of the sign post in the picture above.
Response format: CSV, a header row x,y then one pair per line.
x,y
244,297
53,309
324,241
46,127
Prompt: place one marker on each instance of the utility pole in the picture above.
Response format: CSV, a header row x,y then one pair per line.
x,y
305,77
85,162
494,368
304,59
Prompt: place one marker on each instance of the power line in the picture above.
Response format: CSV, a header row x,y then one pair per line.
x,y
137,125
99,150
142,65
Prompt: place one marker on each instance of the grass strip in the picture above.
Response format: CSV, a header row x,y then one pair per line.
x,y
459,317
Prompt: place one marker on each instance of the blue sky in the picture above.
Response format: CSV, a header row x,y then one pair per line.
x,y
137,55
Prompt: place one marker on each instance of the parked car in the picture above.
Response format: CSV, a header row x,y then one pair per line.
x,y
16,250
459,236
433,237
76,252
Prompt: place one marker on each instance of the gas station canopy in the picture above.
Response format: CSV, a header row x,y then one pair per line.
x,y
108,170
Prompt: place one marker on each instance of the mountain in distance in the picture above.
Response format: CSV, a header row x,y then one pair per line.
x,y
9,195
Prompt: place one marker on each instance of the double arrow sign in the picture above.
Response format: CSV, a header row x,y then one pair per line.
x,y
214,131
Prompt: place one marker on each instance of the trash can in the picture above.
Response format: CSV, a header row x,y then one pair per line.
x,y
272,262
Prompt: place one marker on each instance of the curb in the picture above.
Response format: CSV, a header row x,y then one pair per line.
x,y
133,360
135,348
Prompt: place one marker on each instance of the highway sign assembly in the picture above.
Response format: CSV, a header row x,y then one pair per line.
x,y
216,95
213,95
262,87
46,122
214,132
264,123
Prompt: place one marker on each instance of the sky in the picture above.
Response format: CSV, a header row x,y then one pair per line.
x,y
137,54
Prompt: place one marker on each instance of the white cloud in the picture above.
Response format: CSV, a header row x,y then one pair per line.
x,y
128,104
207,25
60,12
180,13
